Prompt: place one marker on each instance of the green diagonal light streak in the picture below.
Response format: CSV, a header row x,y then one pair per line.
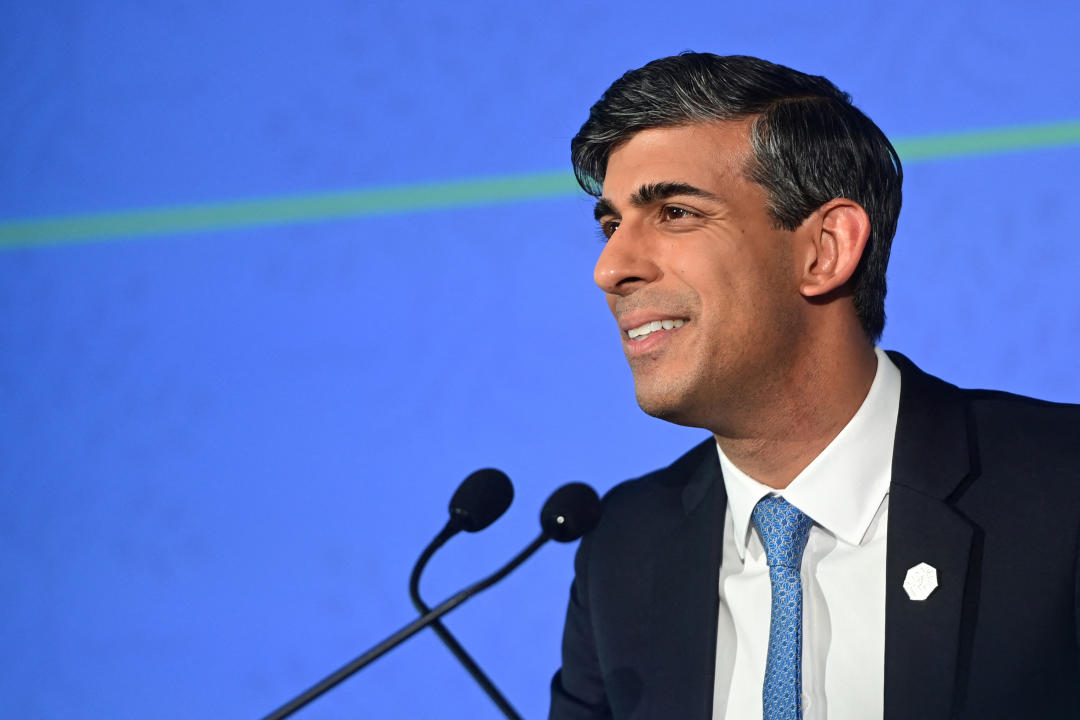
x,y
314,207
283,210
987,142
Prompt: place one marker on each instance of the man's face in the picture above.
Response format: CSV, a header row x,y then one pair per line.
x,y
702,284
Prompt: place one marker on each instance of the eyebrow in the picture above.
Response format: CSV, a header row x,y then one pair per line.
x,y
603,208
652,193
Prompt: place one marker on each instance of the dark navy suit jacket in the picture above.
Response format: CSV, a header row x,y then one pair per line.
x,y
985,488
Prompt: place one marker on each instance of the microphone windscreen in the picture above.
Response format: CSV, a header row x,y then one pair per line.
x,y
570,512
481,499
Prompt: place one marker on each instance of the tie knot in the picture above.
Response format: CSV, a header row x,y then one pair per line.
x,y
784,530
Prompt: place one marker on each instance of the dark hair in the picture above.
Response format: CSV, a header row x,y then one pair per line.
x,y
810,145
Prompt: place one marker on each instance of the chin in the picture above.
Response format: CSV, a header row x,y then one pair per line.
x,y
669,406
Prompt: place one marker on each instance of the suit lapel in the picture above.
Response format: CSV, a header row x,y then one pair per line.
x,y
927,642
685,601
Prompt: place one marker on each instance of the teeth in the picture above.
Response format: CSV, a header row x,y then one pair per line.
x,y
651,327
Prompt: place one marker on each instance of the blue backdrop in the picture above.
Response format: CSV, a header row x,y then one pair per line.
x,y
274,277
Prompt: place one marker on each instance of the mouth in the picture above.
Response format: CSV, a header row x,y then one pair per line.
x,y
639,333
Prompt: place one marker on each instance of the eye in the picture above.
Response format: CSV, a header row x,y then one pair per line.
x,y
674,212
608,228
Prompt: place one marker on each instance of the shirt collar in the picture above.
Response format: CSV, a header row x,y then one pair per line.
x,y
843,487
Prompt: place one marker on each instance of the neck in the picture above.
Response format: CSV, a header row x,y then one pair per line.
x,y
799,416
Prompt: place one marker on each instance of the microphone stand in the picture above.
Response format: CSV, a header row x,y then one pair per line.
x,y
444,634
344,672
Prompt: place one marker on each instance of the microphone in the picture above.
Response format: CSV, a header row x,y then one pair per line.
x,y
479,501
570,512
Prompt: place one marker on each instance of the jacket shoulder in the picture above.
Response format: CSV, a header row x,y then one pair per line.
x,y
1037,436
1001,424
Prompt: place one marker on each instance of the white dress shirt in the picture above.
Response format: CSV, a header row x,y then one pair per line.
x,y
845,490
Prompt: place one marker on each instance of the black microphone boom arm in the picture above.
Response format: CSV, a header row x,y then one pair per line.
x,y
404,633
451,642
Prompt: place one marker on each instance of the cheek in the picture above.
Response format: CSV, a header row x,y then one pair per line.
x,y
716,286
689,260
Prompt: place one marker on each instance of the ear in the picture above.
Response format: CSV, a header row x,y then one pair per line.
x,y
837,235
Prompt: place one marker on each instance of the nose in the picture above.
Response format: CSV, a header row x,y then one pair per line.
x,y
627,262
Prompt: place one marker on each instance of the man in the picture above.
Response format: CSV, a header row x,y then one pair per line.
x,y
858,539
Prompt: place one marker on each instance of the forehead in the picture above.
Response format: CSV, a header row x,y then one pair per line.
x,y
712,156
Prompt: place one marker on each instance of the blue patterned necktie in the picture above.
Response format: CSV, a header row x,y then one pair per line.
x,y
784,530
